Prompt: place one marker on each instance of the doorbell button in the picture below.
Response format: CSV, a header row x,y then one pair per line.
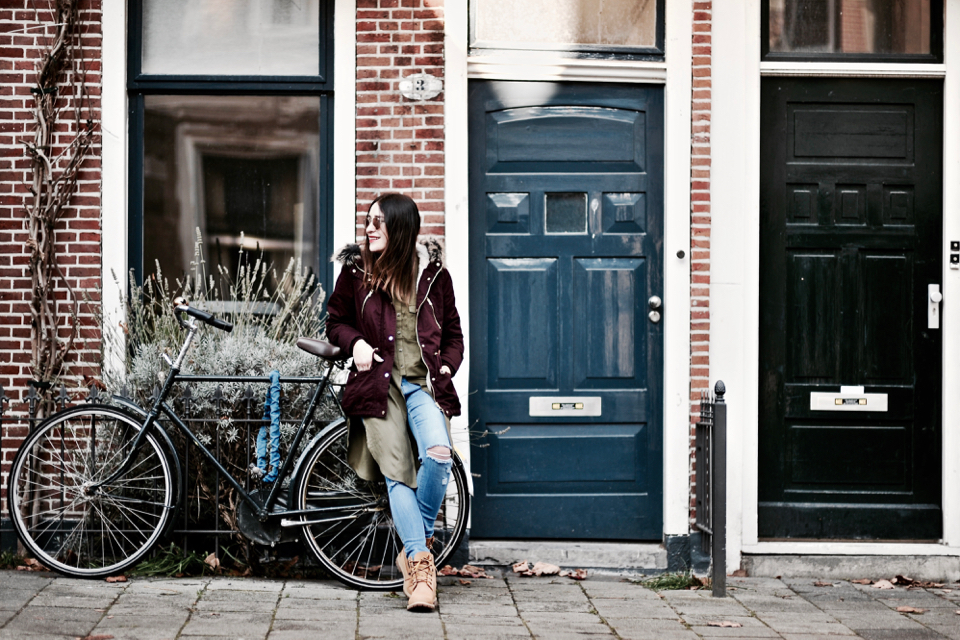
x,y
955,245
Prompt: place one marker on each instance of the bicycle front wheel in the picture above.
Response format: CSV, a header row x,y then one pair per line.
x,y
72,527
349,527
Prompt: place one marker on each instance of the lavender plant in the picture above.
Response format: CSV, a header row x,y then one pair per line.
x,y
269,312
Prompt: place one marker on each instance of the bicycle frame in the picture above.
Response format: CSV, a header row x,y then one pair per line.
x,y
160,406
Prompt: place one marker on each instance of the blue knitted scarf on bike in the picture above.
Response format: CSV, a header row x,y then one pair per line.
x,y
271,414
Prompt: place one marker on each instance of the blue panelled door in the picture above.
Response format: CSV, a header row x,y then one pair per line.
x,y
566,235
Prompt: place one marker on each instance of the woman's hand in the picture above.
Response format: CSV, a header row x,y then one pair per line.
x,y
444,370
364,355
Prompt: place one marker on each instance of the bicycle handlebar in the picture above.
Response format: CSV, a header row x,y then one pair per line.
x,y
182,306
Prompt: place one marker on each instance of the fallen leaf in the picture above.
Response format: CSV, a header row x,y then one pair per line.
x,y
464,582
862,581
883,584
31,564
521,566
575,574
739,573
467,571
117,579
212,561
724,623
97,637
822,584
905,609
544,569
957,612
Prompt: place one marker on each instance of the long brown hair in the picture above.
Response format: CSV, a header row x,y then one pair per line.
x,y
393,269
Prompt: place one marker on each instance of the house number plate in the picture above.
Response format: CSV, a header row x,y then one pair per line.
x,y
552,406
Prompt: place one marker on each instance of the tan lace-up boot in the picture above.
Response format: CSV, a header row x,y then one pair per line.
x,y
423,595
403,564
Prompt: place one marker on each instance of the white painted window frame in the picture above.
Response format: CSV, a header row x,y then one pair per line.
x,y
675,74
115,127
735,289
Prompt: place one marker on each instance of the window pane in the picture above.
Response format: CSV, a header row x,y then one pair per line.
x,y
228,165
552,24
850,26
231,37
566,212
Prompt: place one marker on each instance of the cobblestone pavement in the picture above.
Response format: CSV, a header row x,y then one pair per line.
x,y
34,606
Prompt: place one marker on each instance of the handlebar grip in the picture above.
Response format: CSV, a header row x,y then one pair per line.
x,y
209,319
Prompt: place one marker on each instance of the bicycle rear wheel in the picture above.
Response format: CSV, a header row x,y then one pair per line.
x,y
351,531
72,528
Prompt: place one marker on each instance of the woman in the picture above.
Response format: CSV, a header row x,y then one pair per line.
x,y
393,309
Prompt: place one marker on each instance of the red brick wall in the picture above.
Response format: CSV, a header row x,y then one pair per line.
x,y
700,220
400,142
77,235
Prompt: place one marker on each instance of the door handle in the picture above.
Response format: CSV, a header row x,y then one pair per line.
x,y
933,306
654,303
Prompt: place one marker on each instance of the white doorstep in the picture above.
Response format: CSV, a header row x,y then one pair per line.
x,y
610,556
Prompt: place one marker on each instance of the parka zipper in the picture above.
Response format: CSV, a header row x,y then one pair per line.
x,y
426,298
433,310
364,305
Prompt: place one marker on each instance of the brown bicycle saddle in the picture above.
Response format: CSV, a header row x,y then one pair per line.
x,y
321,348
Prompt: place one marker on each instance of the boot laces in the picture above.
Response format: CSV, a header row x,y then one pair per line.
x,y
420,570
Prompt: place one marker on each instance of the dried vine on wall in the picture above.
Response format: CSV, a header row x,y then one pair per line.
x,y
56,152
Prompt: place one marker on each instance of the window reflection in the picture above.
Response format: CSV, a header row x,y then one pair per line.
x,y
229,165
231,37
850,26
564,24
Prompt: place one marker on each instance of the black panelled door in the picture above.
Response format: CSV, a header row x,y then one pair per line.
x,y
850,239
566,232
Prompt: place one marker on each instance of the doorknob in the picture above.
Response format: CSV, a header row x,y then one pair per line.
x,y
933,306
654,303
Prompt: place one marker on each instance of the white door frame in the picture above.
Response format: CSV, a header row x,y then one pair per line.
x,y
675,74
735,251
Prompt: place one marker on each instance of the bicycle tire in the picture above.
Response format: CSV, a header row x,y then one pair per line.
x,y
70,530
355,539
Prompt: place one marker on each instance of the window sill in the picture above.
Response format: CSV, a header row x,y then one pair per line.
x,y
534,66
853,69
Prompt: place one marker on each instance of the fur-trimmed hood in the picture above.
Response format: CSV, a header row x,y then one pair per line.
x,y
429,249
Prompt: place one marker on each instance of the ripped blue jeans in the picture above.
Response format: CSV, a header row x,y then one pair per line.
x,y
415,511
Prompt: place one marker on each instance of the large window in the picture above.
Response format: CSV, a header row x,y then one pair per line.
x,y
587,26
896,30
230,132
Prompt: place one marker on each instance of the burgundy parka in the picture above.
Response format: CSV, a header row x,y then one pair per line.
x,y
355,312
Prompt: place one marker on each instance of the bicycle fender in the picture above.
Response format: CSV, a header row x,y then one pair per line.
x,y
295,474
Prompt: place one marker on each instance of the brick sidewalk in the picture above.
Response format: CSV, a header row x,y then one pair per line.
x,y
35,606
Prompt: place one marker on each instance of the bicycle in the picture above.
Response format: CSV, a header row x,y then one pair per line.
x,y
94,488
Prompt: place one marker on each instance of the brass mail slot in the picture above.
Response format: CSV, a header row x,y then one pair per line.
x,y
843,401
850,399
554,407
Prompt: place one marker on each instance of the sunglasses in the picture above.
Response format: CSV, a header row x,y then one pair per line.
x,y
376,220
